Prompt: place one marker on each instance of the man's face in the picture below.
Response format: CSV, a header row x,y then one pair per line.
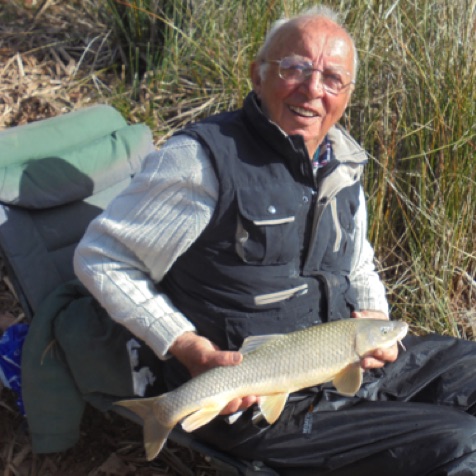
x,y
306,108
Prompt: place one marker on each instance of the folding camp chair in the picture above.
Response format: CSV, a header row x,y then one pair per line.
x,y
56,175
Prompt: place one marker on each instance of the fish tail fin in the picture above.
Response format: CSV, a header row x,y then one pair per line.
x,y
155,433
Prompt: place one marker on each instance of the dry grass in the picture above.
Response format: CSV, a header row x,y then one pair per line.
x,y
43,62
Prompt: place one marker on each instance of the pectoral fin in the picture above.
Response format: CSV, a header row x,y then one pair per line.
x,y
271,406
349,380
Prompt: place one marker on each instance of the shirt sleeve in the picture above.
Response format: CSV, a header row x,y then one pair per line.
x,y
128,249
364,278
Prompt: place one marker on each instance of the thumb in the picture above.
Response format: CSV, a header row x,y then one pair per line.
x,y
225,358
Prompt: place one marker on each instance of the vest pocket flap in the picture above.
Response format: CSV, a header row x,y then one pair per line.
x,y
276,207
266,226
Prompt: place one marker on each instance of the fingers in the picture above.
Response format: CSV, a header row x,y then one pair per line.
x,y
199,354
216,358
380,357
368,363
223,358
369,315
239,404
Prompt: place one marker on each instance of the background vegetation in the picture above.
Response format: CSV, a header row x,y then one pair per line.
x,y
414,110
167,62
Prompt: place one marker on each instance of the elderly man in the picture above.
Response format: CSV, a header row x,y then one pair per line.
x,y
254,222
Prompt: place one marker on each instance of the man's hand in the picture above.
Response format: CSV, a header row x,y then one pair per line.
x,y
380,356
198,354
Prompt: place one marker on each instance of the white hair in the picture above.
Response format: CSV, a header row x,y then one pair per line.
x,y
321,11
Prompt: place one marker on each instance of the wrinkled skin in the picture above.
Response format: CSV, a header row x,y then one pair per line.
x,y
306,108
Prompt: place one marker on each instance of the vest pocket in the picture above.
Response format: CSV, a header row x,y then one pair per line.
x,y
266,229
238,328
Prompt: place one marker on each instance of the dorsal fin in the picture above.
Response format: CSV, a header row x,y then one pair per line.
x,y
254,342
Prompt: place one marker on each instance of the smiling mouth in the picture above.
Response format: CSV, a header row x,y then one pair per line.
x,y
300,111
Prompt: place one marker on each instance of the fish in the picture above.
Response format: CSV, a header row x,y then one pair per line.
x,y
273,366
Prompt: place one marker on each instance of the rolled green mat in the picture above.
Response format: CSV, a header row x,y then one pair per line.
x,y
76,173
48,137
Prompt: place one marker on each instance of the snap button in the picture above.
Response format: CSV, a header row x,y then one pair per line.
x,y
305,199
271,209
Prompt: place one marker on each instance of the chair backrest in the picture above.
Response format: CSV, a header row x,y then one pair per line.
x,y
56,175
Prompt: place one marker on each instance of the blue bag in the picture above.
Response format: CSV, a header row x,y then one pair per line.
x,y
11,343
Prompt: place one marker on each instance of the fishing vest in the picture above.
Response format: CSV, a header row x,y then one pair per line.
x,y
276,254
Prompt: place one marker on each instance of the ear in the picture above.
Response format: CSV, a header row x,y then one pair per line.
x,y
347,101
349,95
255,77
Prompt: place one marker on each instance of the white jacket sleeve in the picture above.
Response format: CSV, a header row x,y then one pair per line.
x,y
363,277
134,242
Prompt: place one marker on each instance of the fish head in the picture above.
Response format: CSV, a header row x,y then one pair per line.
x,y
373,334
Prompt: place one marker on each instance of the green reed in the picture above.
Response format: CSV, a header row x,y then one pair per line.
x,y
419,97
413,110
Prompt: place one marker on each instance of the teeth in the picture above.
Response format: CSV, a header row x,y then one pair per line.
x,y
303,112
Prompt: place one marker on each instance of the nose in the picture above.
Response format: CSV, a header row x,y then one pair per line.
x,y
313,83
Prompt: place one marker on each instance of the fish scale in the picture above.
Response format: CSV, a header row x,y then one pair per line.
x,y
257,365
272,367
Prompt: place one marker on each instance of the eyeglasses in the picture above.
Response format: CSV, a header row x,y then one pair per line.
x,y
295,70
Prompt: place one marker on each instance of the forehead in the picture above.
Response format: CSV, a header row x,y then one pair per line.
x,y
318,39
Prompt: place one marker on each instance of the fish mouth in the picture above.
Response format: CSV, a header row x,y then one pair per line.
x,y
398,338
401,335
303,112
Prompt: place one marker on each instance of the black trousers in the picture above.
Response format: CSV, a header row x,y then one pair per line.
x,y
415,417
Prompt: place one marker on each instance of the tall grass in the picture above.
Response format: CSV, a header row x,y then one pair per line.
x,y
140,29
418,97
414,110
